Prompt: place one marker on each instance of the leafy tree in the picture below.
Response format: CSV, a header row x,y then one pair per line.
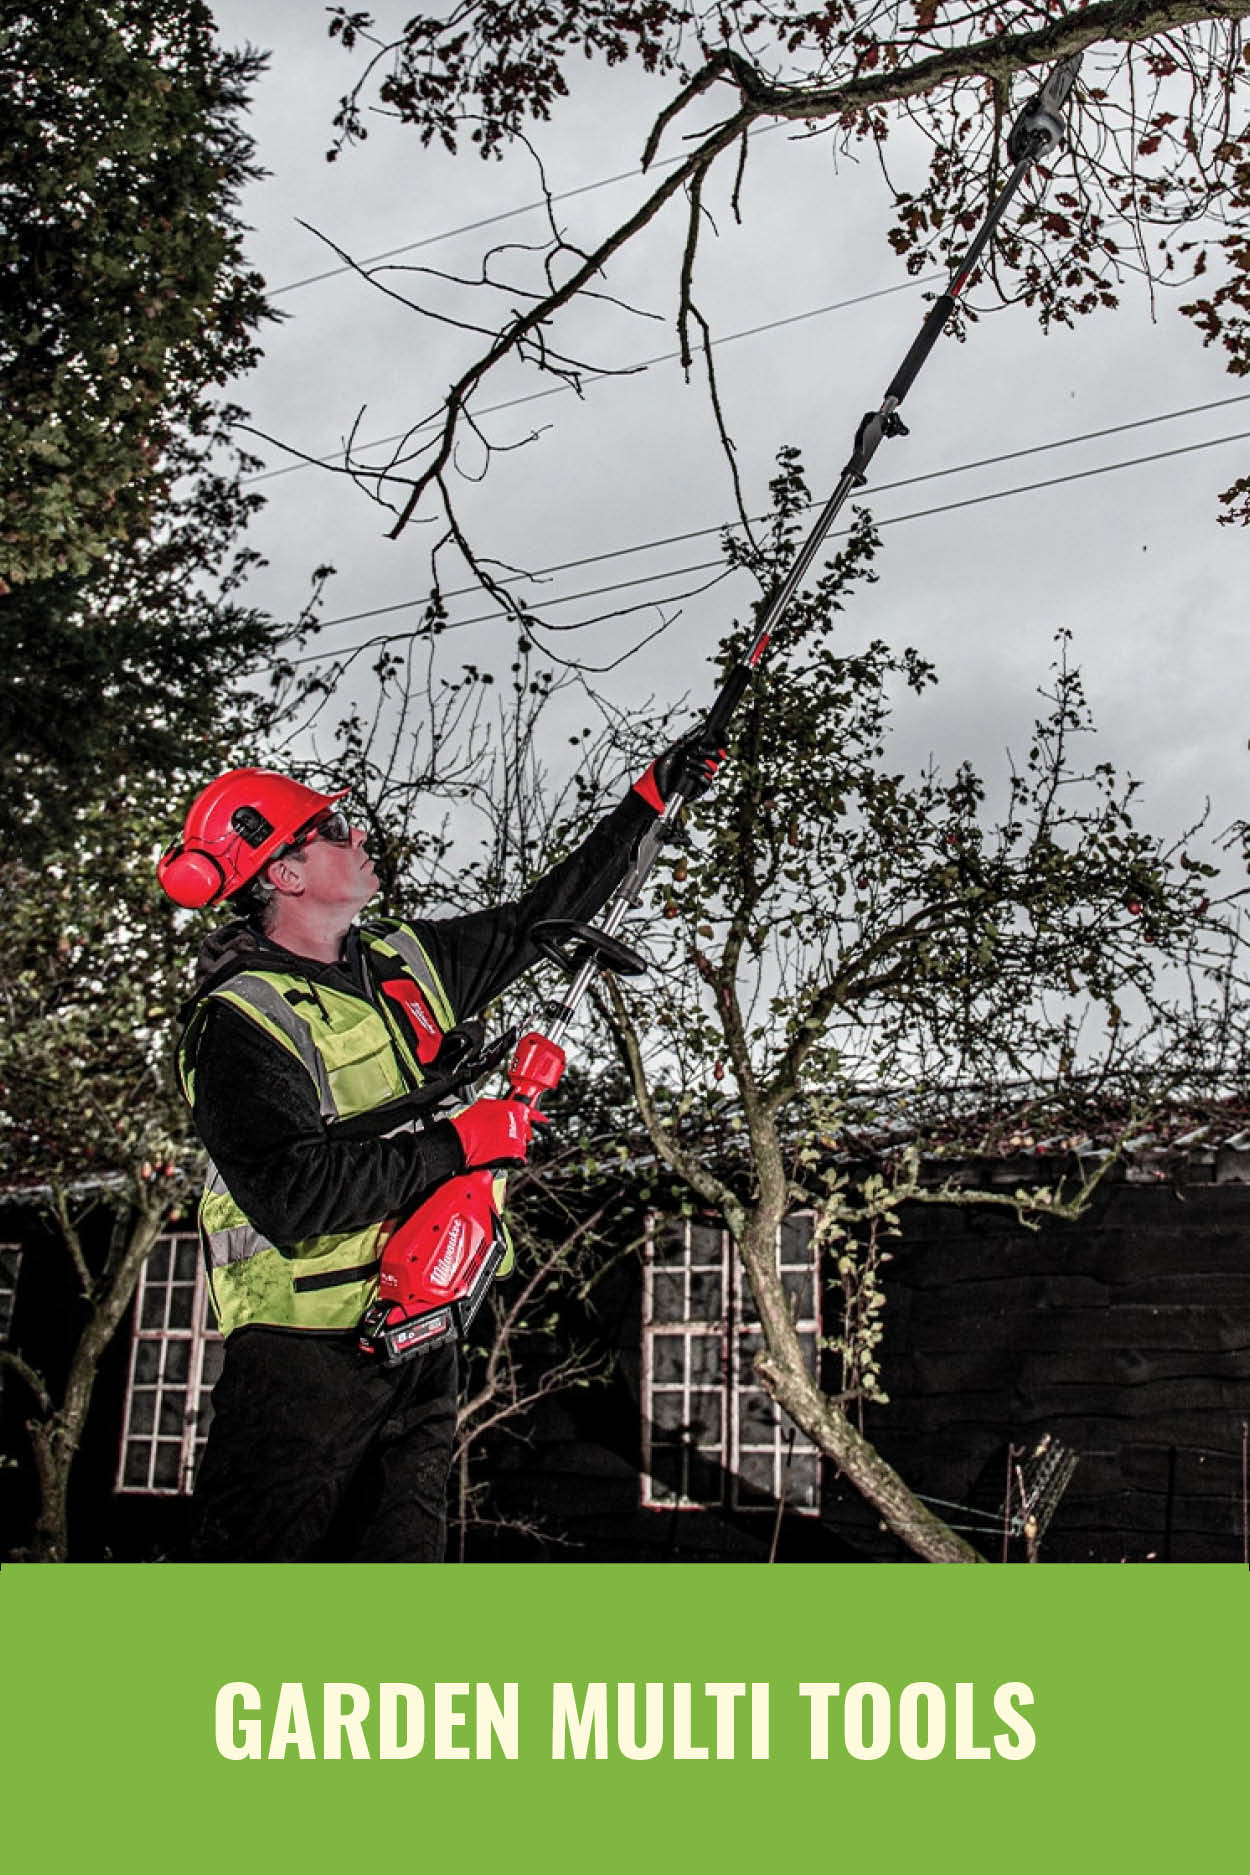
x,y
846,931
133,667
851,953
148,664
1155,182
127,298
91,1125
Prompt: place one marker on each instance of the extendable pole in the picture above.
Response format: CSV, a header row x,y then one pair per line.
x,y
1038,130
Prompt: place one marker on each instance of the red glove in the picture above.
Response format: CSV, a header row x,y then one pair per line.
x,y
687,768
494,1132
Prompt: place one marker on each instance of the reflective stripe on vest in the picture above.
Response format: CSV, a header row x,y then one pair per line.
x,y
260,998
357,1059
403,943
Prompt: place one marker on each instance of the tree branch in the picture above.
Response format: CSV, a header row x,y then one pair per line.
x,y
705,1184
514,335
518,1304
812,1023
34,1380
998,56
70,1237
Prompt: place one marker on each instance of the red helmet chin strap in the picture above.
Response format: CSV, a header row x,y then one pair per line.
x,y
193,880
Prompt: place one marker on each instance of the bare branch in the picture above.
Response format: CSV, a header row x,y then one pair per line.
x,y
530,323
714,1191
34,1380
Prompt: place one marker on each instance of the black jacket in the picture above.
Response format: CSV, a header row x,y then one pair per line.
x,y
256,1108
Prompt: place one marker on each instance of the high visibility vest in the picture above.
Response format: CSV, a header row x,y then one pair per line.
x,y
357,1056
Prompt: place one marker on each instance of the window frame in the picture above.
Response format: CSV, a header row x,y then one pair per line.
x,y
733,1327
11,1253
198,1337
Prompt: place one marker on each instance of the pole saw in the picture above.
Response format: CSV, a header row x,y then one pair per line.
x,y
439,1262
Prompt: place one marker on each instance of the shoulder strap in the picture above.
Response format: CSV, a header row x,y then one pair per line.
x,y
260,998
401,941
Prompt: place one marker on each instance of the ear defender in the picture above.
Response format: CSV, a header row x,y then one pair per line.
x,y
233,828
192,879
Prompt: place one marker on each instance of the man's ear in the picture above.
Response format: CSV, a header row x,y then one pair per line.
x,y
286,876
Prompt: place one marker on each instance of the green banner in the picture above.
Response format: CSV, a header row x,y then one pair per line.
x,y
624,1717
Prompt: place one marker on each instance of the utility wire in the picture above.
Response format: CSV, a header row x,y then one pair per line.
x,y
489,221
468,227
593,376
670,540
704,566
350,652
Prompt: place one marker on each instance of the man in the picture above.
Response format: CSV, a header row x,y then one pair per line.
x,y
304,1020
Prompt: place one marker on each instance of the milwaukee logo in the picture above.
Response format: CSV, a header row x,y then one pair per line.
x,y
449,1258
429,1036
421,1019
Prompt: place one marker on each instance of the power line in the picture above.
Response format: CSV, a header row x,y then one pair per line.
x,y
894,520
489,221
349,653
931,475
594,377
703,566
468,227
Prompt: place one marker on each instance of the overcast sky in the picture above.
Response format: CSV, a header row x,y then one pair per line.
x,y
1134,562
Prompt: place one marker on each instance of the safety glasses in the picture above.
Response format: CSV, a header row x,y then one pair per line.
x,y
331,824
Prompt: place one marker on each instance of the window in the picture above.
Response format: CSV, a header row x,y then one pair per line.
x,y
685,1365
10,1265
175,1357
711,1434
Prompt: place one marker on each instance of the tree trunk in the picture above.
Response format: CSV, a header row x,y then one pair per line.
x,y
783,1372
56,1438
55,1445
822,1420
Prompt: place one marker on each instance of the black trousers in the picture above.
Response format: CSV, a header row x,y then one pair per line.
x,y
315,1454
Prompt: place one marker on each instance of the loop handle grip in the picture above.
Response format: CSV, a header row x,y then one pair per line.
x,y
570,944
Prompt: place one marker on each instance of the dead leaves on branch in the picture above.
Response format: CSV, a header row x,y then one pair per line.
x,y
1156,182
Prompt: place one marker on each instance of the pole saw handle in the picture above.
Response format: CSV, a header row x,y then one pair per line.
x,y
922,345
727,702
536,1068
733,690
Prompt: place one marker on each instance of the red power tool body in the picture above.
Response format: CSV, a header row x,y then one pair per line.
x,y
439,1262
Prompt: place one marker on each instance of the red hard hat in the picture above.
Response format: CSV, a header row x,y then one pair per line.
x,y
233,829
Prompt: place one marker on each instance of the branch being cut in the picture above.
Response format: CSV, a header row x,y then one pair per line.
x,y
528,325
995,57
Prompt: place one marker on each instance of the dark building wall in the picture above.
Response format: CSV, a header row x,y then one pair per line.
x,y
1126,1336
